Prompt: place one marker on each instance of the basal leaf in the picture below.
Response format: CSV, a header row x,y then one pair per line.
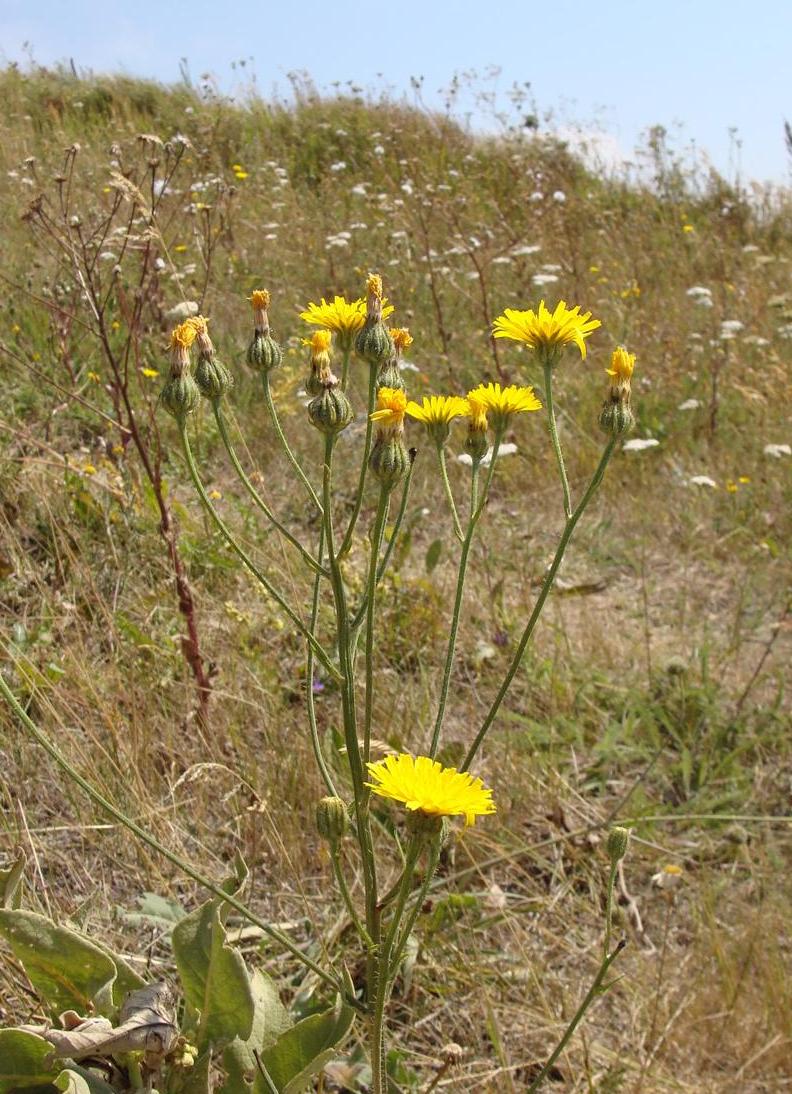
x,y
303,1050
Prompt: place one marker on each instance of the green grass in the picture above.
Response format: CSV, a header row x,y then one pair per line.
x,y
657,686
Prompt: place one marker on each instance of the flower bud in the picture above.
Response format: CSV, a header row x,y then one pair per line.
x,y
618,841
390,375
616,416
330,411
476,443
373,342
264,353
321,375
332,819
211,376
389,459
180,396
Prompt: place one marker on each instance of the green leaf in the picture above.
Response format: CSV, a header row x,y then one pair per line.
x,y
213,974
24,1061
196,1081
304,1050
67,971
270,1020
433,554
80,1081
11,879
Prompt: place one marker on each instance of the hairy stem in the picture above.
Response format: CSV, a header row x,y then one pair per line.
x,y
285,444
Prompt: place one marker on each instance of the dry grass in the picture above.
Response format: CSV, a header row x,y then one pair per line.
x,y
640,698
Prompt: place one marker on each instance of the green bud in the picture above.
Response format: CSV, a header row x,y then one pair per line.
x,y
213,378
180,396
331,411
313,385
390,375
332,819
618,839
425,824
616,416
373,343
476,444
389,460
264,353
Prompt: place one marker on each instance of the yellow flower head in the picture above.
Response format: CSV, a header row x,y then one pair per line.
x,y
183,336
546,331
437,412
438,409
319,342
502,403
477,412
374,285
391,407
425,786
622,365
342,317
259,298
402,338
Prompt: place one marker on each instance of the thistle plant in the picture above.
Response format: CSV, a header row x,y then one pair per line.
x,y
382,873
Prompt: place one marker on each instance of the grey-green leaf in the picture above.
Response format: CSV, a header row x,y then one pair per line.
x,y
304,1049
67,971
433,554
213,974
80,1081
270,1020
24,1061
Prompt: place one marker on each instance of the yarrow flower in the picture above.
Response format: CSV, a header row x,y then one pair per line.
x,y
545,331
391,407
424,785
343,317
502,403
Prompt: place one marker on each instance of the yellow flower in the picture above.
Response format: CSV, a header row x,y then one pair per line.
x,y
374,285
343,317
391,407
237,167
402,338
622,365
149,373
732,487
425,786
744,479
477,412
89,469
94,376
503,402
241,175
437,409
688,228
183,336
259,298
319,342
180,247
547,331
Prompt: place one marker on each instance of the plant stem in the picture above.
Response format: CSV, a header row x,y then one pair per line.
x,y
441,459
385,970
476,509
551,420
371,590
547,584
260,577
256,497
614,866
431,867
595,989
347,897
285,444
345,367
361,794
372,398
309,682
154,844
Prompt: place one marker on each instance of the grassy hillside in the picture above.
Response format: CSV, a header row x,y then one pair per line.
x,y
657,689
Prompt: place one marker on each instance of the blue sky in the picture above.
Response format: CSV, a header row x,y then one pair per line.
x,y
699,67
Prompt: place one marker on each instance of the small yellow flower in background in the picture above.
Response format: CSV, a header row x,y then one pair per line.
x,y
547,331
180,247
94,376
424,785
241,175
149,373
688,228
744,479
502,403
89,469
115,325
402,339
731,487
594,269
237,167
622,365
391,407
215,495
16,328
